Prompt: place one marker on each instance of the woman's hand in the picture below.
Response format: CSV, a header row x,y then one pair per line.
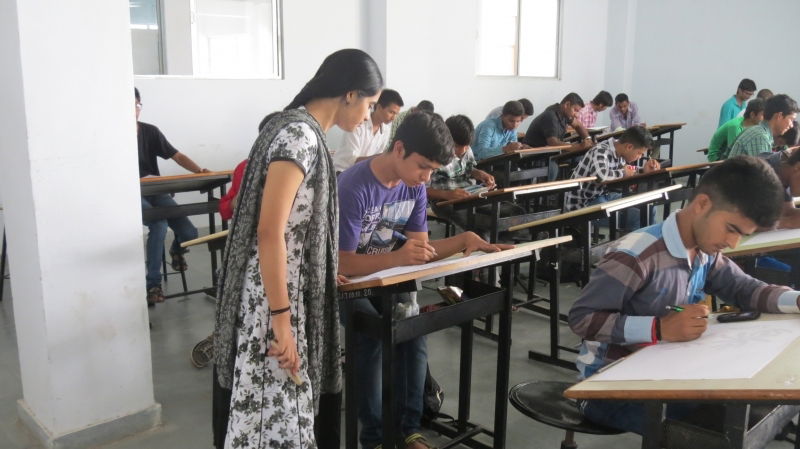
x,y
284,347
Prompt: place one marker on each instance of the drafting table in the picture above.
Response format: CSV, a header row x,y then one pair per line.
x,y
484,300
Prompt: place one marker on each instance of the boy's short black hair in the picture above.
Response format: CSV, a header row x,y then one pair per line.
x,y
425,133
527,106
573,98
390,96
136,94
513,108
780,103
425,105
461,129
603,98
747,84
621,98
791,136
760,199
638,136
754,106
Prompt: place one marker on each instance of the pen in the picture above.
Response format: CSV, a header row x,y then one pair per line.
x,y
680,309
402,238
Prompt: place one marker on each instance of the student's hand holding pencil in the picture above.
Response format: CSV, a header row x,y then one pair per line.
x,y
416,252
685,325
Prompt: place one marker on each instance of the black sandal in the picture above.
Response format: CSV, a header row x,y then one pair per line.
x,y
178,261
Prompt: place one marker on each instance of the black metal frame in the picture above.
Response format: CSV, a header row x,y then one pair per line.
x,y
487,300
3,258
206,185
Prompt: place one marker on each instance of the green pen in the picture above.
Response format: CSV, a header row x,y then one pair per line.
x,y
675,308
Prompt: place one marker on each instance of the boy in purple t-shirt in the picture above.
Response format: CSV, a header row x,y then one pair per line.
x,y
382,202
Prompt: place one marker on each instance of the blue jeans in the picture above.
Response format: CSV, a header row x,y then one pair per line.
x,y
628,416
157,231
629,219
411,361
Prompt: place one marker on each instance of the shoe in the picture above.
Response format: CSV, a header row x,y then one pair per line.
x,y
417,441
202,352
155,295
178,262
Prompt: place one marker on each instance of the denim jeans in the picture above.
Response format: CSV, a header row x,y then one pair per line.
x,y
629,219
411,361
628,416
157,231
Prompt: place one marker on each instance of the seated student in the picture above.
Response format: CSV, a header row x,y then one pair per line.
x,y
780,112
786,165
764,94
448,181
370,137
423,105
724,137
624,114
736,103
609,160
382,203
677,262
549,127
788,139
526,105
588,114
152,143
495,136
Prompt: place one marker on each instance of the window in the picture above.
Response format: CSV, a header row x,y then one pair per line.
x,y
207,38
519,38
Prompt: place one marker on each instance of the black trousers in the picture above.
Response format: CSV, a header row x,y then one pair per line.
x,y
327,423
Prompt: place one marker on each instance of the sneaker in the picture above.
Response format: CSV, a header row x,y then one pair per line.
x,y
155,295
417,441
178,262
202,352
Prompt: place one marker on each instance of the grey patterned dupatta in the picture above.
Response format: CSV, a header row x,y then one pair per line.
x,y
318,272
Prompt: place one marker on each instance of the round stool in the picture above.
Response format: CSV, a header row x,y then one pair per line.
x,y
545,402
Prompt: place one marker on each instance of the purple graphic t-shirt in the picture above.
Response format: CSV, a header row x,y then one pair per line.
x,y
372,216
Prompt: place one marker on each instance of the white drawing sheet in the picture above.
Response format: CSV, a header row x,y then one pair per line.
x,y
396,271
778,235
725,351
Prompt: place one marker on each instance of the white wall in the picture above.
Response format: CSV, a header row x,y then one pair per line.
x,y
690,55
431,55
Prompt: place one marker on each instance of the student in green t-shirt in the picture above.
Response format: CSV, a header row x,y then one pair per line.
x,y
723,138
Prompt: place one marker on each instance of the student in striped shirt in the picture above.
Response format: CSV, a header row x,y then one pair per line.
x,y
588,114
677,262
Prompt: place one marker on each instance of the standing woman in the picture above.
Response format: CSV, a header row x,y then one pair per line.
x,y
277,316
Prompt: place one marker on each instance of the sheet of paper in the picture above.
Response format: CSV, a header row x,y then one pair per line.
x,y
396,271
772,236
725,351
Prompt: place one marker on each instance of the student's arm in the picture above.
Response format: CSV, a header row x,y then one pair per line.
x,y
790,216
187,163
280,189
483,177
615,119
597,314
446,195
728,282
466,242
635,118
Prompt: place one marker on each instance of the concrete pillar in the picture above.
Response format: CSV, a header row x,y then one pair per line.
x,y
68,173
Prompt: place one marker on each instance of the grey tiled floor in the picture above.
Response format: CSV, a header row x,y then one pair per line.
x,y
185,392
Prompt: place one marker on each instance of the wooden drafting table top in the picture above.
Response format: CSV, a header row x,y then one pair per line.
x,y
525,152
622,202
779,381
205,238
791,241
453,265
520,190
673,172
183,183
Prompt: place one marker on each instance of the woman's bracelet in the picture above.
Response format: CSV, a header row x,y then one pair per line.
x,y
279,311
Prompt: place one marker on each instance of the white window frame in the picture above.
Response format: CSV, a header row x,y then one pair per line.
x,y
516,55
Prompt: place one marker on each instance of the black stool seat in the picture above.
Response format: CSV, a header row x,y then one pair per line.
x,y
545,402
